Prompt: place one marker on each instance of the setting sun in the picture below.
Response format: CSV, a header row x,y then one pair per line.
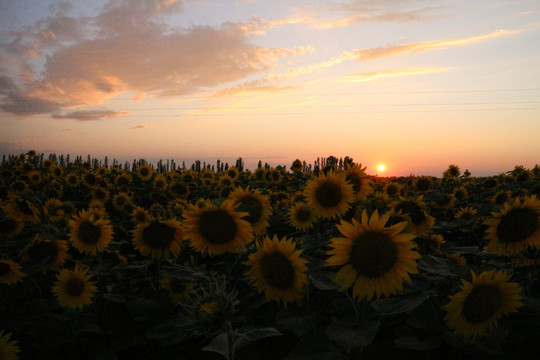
x,y
380,167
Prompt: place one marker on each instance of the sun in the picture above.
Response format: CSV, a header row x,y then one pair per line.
x,y
381,167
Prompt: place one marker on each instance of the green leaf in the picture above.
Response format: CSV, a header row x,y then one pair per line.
x,y
322,280
248,334
220,345
344,333
399,304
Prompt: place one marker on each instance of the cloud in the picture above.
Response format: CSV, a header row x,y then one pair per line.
x,y
90,115
141,126
366,76
407,49
126,47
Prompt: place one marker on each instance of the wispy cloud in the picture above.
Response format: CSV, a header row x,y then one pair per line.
x,y
90,115
372,75
141,126
406,49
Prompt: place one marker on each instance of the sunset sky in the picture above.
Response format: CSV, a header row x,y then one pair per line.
x,y
415,85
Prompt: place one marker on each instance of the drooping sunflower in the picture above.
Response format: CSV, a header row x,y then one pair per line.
x,y
90,233
8,348
330,195
217,229
178,290
145,172
73,288
158,238
515,227
256,205
479,304
414,207
22,208
359,180
51,253
10,272
375,260
302,216
277,269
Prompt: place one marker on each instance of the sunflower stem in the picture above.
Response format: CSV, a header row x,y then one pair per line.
x,y
230,340
357,314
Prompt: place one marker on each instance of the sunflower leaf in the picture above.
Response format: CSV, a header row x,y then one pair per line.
x,y
344,333
399,304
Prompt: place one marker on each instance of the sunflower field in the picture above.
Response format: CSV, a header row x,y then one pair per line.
x,y
304,261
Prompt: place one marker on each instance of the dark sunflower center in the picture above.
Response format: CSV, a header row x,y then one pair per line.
x,y
276,175
303,215
459,194
277,270
517,225
43,249
8,225
72,179
392,190
253,207
90,179
482,303
413,210
158,235
140,216
356,181
74,286
176,285
100,194
144,172
123,181
328,194
501,198
4,269
423,185
89,233
217,227
373,254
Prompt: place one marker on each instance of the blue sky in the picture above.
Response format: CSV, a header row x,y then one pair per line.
x,y
415,85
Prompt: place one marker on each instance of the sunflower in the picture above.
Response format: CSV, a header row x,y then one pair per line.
x,y
100,194
515,227
422,184
359,180
452,172
158,238
89,232
460,193
90,179
57,171
256,205
73,288
8,349
217,229
421,221
72,179
145,172
501,197
178,290
178,189
477,307
123,180
49,252
224,192
225,180
374,258
10,226
297,166
393,189
274,176
10,272
329,194
232,173
277,269
466,213
302,216
160,182
23,209
121,201
35,177
259,174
